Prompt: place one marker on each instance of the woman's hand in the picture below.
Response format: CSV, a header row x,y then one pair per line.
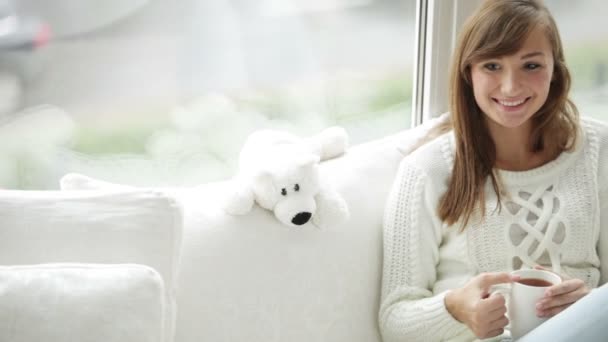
x,y
473,305
559,297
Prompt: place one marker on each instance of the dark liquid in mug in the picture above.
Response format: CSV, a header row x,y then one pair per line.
x,y
535,282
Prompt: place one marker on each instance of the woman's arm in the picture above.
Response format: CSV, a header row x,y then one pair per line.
x,y
602,185
409,311
602,246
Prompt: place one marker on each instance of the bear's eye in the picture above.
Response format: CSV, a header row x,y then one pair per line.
x,y
284,192
296,187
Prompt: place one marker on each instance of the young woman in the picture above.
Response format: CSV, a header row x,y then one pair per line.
x,y
517,181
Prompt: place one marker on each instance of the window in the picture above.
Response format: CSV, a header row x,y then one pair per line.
x,y
585,36
161,93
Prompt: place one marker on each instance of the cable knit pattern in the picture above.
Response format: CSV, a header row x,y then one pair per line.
x,y
536,226
550,215
402,243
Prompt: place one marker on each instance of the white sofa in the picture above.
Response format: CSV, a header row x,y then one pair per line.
x,y
124,264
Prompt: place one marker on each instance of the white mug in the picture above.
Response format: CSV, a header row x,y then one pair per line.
x,y
522,297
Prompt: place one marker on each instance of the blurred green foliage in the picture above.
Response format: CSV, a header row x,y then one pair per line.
x,y
392,92
113,140
585,61
341,101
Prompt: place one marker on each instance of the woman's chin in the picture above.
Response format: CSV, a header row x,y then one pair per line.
x,y
509,120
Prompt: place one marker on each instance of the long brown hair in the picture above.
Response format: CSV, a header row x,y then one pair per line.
x,y
499,28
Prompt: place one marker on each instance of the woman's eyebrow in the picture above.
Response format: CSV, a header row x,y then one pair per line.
x,y
532,54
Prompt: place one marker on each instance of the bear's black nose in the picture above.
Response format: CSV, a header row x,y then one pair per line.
x,y
301,218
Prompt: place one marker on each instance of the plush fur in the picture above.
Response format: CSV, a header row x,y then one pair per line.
x,y
280,172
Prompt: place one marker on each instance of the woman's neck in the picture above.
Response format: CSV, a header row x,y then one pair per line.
x,y
514,148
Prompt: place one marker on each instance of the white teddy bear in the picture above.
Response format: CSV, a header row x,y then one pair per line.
x,y
279,172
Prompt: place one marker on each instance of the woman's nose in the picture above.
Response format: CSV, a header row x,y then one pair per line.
x,y
510,83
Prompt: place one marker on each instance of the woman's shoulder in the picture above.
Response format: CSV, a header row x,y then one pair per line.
x,y
594,126
595,136
596,141
435,158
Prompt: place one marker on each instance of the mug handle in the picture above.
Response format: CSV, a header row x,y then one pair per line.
x,y
503,289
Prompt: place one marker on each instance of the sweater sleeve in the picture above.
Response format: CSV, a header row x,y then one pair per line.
x,y
603,238
409,311
601,160
602,246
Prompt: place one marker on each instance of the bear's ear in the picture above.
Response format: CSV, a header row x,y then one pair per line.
x,y
239,199
262,179
264,189
307,163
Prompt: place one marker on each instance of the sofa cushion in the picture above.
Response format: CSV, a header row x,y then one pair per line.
x,y
81,302
104,227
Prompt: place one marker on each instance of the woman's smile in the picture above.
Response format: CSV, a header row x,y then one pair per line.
x,y
511,105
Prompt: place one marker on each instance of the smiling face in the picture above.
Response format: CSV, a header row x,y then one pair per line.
x,y
511,89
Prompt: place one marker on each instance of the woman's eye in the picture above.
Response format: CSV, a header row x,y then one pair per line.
x,y
532,66
284,192
296,187
491,66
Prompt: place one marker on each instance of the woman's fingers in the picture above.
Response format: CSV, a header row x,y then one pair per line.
x,y
478,306
562,298
495,327
495,333
552,311
499,323
565,287
558,297
496,305
555,301
486,280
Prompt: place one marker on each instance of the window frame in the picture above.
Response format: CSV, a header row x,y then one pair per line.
x,y
438,23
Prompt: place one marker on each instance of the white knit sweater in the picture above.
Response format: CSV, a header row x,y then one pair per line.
x,y
551,216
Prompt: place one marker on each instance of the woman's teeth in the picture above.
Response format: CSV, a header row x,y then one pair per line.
x,y
511,103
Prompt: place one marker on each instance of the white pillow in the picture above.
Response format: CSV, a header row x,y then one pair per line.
x,y
81,302
103,227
